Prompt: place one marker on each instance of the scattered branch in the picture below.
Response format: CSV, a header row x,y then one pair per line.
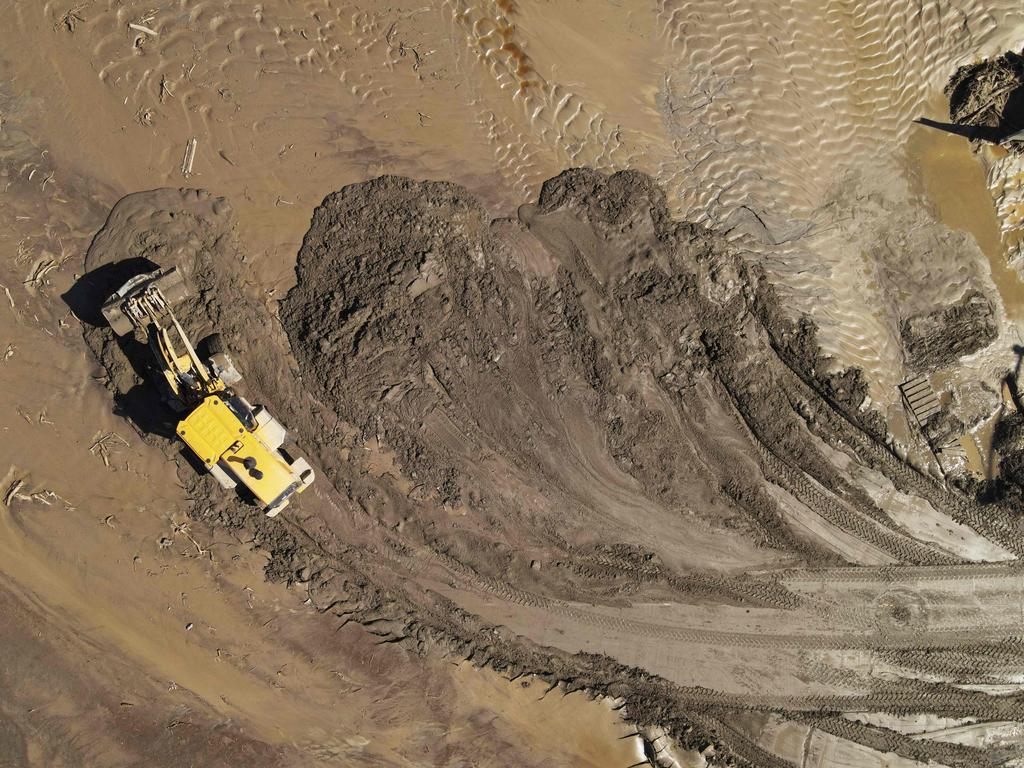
x,y
102,446
71,18
45,496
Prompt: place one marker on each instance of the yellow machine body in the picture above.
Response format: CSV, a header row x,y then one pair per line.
x,y
218,437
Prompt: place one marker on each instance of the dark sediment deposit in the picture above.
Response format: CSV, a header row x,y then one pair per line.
x,y
939,338
988,97
576,413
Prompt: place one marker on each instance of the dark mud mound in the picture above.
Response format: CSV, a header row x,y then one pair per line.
x,y
942,337
502,372
592,387
988,97
394,296
1008,440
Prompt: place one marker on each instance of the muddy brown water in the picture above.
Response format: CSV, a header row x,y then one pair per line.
x,y
951,178
953,181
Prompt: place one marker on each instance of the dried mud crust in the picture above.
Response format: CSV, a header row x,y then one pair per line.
x,y
543,408
939,338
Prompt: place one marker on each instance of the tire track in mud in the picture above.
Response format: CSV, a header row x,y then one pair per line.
x,y
866,521
885,740
843,427
923,698
842,639
740,742
989,521
815,496
996,663
805,488
899,574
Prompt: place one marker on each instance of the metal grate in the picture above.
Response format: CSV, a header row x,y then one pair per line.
x,y
920,398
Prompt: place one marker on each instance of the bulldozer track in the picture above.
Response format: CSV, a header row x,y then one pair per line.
x,y
807,490
901,574
887,740
842,639
989,522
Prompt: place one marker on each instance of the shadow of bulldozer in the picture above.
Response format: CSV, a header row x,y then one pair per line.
x,y
132,365
85,298
986,133
986,102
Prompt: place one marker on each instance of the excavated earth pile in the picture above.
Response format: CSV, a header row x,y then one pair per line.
x,y
989,97
588,443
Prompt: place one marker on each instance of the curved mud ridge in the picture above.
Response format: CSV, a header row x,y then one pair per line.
x,y
588,443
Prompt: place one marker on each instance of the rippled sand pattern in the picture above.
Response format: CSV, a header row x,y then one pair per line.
x,y
800,102
779,121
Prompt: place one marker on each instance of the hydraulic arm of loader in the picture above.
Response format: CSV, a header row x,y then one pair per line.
x,y
143,303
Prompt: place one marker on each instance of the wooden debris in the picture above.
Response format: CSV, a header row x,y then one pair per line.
x,y
71,19
102,445
190,156
42,268
143,29
184,530
165,88
45,496
13,492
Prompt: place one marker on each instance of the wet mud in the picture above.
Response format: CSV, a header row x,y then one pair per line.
x,y
721,530
575,413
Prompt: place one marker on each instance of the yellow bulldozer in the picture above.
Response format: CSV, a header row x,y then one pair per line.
x,y
238,443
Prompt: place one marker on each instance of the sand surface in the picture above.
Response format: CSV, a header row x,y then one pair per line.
x,y
564,440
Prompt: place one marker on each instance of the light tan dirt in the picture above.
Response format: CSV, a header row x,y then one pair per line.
x,y
131,633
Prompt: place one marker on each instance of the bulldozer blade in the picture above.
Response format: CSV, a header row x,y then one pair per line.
x,y
118,320
168,281
171,285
